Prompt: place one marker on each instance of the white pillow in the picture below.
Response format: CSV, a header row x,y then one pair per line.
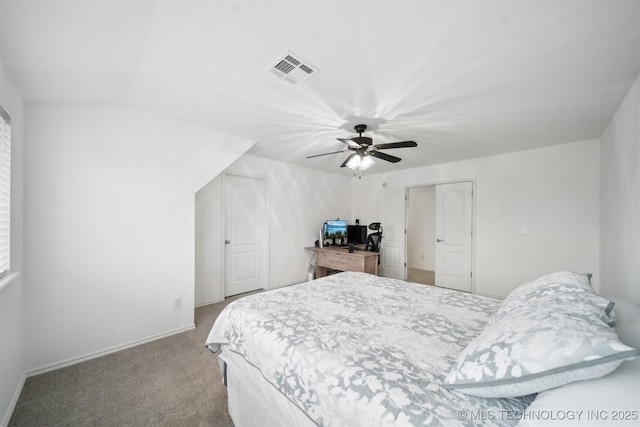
x,y
613,400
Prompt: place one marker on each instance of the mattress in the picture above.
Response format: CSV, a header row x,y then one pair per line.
x,y
356,349
253,401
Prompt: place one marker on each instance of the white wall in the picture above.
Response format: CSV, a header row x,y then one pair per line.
x,y
421,228
110,241
301,199
620,200
12,346
554,191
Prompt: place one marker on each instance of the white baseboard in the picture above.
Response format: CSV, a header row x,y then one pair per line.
x,y
14,401
93,355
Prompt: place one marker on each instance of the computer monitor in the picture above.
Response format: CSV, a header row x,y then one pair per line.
x,y
335,229
357,234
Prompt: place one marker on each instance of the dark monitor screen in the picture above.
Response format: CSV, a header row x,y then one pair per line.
x,y
357,234
335,229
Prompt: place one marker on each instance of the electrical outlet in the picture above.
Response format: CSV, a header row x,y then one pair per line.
x,y
177,303
525,230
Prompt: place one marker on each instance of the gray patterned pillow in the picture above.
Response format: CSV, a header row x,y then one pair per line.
x,y
555,339
582,280
568,286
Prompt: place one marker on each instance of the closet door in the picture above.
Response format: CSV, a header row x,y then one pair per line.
x,y
453,235
245,234
392,251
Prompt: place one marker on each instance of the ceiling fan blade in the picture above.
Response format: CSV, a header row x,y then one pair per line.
x,y
349,142
384,156
347,161
401,144
326,154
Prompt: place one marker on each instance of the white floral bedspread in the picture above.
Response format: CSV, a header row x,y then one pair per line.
x,y
354,349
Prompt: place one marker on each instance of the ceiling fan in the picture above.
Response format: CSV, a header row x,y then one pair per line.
x,y
363,149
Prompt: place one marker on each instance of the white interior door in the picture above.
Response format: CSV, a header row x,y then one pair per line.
x,y
453,235
392,216
245,234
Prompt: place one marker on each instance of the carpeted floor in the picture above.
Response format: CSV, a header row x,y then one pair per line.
x,y
174,381
422,276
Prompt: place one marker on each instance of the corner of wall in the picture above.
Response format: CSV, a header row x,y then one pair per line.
x,y
620,201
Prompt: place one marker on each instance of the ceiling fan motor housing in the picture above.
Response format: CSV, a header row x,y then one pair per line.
x,y
362,140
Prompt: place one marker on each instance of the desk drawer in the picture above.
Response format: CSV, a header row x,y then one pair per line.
x,y
342,262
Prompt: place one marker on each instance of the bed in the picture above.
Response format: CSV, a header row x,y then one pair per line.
x,y
354,349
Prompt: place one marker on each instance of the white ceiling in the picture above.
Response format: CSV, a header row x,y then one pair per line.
x,y
463,79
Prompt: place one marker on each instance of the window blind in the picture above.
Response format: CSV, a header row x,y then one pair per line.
x,y
5,191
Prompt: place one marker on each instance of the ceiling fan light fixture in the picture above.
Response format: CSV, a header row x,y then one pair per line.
x,y
360,162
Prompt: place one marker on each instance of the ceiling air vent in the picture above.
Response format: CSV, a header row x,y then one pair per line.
x,y
292,69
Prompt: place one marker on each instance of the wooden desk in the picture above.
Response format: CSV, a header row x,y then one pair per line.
x,y
339,258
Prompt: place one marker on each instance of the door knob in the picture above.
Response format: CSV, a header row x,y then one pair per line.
x,y
439,240
226,242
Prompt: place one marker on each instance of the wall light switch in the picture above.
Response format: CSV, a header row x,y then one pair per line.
x,y
525,230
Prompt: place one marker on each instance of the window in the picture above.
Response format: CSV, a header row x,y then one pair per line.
x,y
5,191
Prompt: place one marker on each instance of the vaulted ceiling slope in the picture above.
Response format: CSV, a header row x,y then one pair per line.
x,y
463,79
